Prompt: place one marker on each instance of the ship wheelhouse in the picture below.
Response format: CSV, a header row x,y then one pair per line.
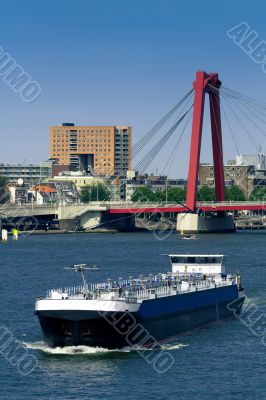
x,y
207,264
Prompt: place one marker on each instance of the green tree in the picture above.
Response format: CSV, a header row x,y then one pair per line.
x,y
96,191
236,194
259,193
159,196
175,195
143,194
4,193
205,193
226,194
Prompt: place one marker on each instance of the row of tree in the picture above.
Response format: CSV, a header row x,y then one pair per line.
x,y
259,193
100,192
205,193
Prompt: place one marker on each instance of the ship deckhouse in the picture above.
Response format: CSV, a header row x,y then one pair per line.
x,y
208,264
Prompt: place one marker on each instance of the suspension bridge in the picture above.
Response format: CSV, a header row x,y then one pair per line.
x,y
226,107
248,113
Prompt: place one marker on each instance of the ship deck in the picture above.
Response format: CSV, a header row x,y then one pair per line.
x,y
142,288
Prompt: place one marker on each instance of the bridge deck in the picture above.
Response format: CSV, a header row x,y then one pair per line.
x,y
71,211
160,208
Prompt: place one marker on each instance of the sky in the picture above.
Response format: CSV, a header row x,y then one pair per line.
x,y
114,62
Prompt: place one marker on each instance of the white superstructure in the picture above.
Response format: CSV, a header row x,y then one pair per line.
x,y
207,264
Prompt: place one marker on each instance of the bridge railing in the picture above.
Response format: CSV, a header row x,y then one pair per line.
x,y
128,205
230,202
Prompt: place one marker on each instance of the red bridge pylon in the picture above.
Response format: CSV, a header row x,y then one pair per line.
x,y
205,83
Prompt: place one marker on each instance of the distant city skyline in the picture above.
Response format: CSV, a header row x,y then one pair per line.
x,y
124,63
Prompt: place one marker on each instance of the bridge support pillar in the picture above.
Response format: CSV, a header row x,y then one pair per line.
x,y
194,223
121,222
103,220
91,219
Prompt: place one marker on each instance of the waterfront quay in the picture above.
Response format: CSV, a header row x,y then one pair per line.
x,y
121,216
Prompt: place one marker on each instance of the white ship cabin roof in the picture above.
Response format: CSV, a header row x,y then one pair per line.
x,y
209,264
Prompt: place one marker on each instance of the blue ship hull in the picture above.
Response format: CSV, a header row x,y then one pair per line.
x,y
157,319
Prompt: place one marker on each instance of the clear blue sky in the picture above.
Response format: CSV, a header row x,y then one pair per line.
x,y
119,62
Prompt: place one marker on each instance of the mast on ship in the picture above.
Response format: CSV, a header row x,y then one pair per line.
x,y
81,268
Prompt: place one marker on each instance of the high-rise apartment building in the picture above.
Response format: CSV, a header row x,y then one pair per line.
x,y
101,150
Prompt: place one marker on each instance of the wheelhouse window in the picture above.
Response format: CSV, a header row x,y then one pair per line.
x,y
196,260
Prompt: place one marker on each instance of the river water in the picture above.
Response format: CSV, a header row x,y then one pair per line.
x,y
223,361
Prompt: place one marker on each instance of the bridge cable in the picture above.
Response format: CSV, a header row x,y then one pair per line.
x,y
248,118
248,106
240,122
145,161
248,101
178,142
176,147
151,133
229,128
247,98
253,108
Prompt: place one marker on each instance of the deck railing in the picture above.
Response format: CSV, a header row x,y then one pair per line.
x,y
126,291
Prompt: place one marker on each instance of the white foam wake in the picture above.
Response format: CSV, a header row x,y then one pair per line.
x,y
176,346
77,350
69,350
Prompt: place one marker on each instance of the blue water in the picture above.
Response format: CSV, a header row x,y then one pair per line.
x,y
226,360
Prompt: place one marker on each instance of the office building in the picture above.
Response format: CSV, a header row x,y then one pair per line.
x,y
246,171
234,175
96,150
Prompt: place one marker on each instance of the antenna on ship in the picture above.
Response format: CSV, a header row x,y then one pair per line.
x,y
81,268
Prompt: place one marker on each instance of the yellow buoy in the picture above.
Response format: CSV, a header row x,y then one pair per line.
x,y
15,234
